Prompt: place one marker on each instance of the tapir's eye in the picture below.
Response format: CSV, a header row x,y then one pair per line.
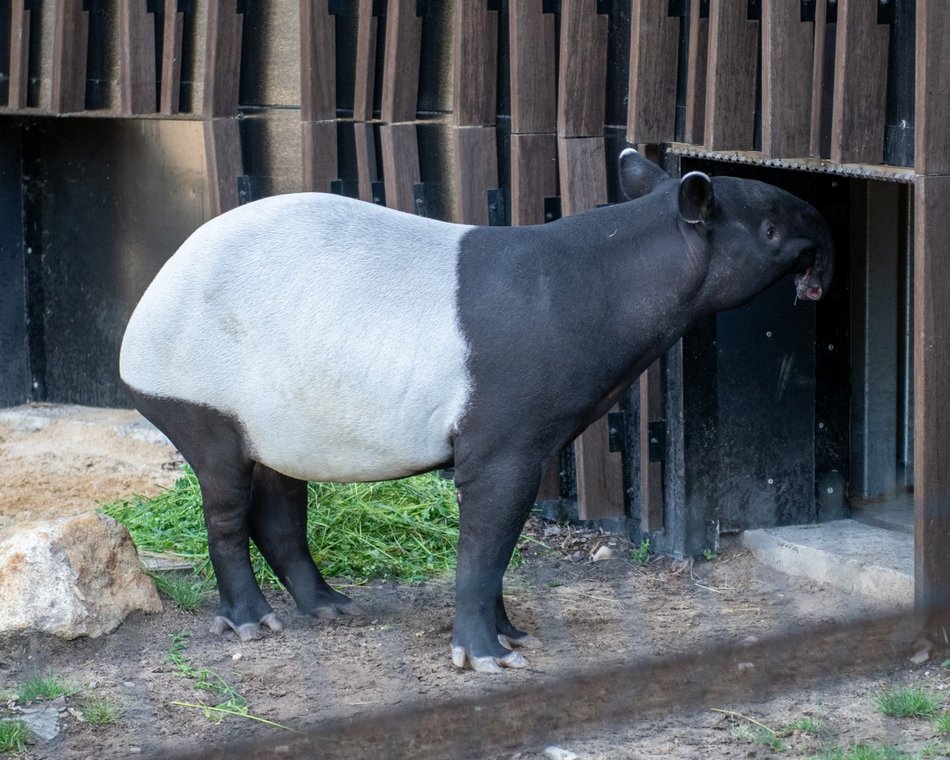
x,y
771,232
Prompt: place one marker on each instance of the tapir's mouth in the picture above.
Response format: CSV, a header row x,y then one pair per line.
x,y
808,285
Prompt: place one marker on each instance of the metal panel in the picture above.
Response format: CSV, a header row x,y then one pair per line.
x,y
14,370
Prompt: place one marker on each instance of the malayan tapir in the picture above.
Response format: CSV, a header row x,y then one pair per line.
x,y
313,337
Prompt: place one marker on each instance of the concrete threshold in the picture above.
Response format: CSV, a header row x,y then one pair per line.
x,y
847,554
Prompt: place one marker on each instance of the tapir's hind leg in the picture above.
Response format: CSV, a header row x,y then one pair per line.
x,y
278,522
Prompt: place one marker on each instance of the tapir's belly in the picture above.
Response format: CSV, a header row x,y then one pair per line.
x,y
327,328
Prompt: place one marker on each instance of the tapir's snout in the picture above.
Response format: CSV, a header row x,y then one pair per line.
x,y
815,264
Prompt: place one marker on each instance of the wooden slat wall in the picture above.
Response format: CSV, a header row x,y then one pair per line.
x,y
70,41
654,42
137,59
730,76
222,70
19,54
857,122
582,79
698,56
818,100
651,473
224,163
318,95
364,86
172,39
400,148
932,102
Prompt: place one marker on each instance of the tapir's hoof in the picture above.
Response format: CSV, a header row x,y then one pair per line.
x,y
524,641
487,664
247,631
339,606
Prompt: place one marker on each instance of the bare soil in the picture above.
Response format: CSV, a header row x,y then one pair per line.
x,y
587,614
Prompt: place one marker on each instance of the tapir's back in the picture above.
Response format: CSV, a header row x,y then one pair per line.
x,y
280,312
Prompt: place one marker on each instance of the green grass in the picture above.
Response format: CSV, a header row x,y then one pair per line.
x,y
42,687
806,726
862,751
907,703
402,529
102,711
941,724
13,736
226,699
188,592
640,554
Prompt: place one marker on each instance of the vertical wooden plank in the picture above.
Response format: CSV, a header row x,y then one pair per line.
x,y
366,168
319,149
858,113
475,50
932,104
475,172
931,391
698,56
582,79
224,163
401,62
172,37
583,173
532,50
222,72
136,58
818,98
19,55
70,42
400,159
651,473
730,76
365,74
787,56
654,50
533,176
317,62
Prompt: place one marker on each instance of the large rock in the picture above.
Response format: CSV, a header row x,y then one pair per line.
x,y
75,576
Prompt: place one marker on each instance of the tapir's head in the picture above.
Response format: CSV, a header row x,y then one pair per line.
x,y
750,233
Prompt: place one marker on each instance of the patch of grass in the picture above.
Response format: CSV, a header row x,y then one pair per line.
x,y
709,555
102,711
13,736
941,724
907,703
188,592
640,554
404,529
43,687
225,698
806,726
862,751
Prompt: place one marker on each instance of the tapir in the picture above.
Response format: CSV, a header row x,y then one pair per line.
x,y
309,336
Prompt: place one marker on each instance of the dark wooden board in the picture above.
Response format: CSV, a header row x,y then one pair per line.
x,y
787,58
600,492
818,99
931,391
70,42
533,53
932,104
172,38
317,62
858,113
475,50
366,168
399,146
319,149
222,65
401,59
651,473
698,58
19,55
365,74
582,78
583,173
136,58
654,49
533,176
224,163
730,77
474,172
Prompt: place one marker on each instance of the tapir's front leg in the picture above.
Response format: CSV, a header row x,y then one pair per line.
x,y
493,506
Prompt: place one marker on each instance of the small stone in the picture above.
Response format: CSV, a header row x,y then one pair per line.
x,y
133,750
237,656
558,753
920,657
281,749
750,640
604,552
743,666
129,684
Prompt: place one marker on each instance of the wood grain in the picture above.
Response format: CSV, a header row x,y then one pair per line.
x,y
365,73
400,88
583,173
600,492
698,58
475,68
319,153
400,159
19,55
70,43
651,473
931,391
731,75
474,172
932,104
317,62
787,58
654,49
222,66
533,54
137,80
366,169
818,99
582,80
172,39
223,162
858,113
533,176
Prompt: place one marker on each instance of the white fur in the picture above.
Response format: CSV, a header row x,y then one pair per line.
x,y
327,327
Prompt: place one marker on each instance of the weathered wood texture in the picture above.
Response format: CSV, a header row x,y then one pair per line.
x,y
654,40
137,78
533,176
858,113
697,57
319,149
400,90
400,148
787,57
475,51
931,391
932,104
533,52
583,176
172,38
365,75
731,76
475,172
366,165
70,43
582,80
820,100
317,62
19,55
224,163
222,70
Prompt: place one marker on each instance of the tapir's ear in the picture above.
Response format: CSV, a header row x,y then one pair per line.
x,y
696,197
638,175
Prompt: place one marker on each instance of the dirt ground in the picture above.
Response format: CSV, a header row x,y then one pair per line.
x,y
587,614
